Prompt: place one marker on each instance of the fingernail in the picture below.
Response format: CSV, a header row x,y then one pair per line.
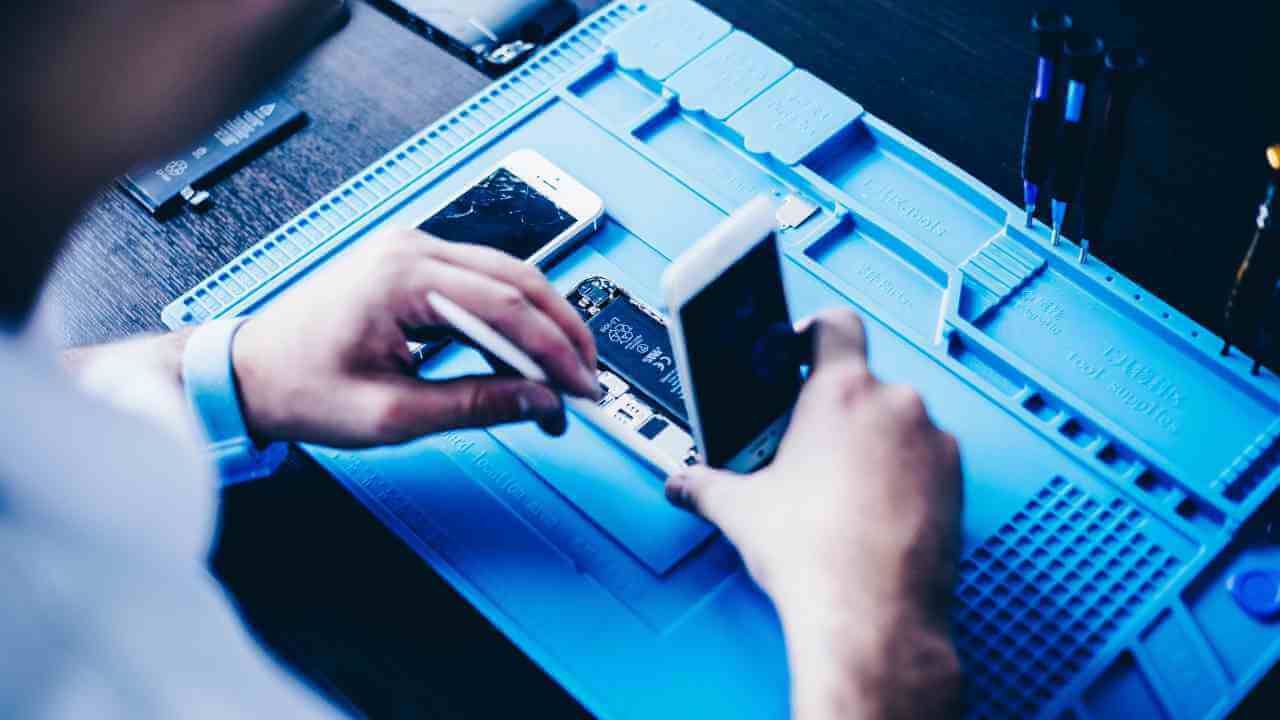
x,y
592,382
537,401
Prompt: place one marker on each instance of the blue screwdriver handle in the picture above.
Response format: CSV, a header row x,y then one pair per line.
x,y
1084,59
1123,72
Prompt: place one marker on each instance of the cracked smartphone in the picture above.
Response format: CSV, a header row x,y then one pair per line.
x,y
525,206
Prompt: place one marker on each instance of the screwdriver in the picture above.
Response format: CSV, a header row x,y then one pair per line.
x,y
1043,111
1256,270
1268,331
1123,71
1084,58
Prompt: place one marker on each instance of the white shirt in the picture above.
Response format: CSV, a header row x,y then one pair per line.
x,y
107,518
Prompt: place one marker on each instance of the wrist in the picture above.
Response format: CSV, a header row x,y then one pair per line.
x,y
853,659
262,415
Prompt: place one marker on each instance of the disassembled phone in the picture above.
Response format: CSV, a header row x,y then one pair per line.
x,y
642,391
493,35
729,325
524,206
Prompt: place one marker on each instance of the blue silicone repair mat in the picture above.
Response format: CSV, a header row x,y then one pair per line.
x,y
1118,471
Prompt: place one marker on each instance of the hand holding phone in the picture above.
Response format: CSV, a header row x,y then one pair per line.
x,y
731,331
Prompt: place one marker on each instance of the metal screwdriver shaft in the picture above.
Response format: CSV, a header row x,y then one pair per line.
x,y
1123,71
1084,57
1256,270
1268,331
1045,107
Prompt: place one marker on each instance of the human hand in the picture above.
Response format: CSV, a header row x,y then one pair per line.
x,y
853,531
329,363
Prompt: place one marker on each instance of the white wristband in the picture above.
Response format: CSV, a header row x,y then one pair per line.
x,y
210,381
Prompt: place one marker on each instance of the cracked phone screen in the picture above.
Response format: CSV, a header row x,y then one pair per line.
x,y
504,212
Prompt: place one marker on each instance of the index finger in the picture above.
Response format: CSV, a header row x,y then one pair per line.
x,y
524,277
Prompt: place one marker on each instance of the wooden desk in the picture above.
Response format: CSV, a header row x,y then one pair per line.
x,y
333,592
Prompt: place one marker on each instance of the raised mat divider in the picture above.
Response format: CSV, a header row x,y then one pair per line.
x,y
1120,474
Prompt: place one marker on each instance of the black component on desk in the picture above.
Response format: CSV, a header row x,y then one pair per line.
x,y
1084,58
1259,271
186,177
1123,72
493,35
1268,332
1044,108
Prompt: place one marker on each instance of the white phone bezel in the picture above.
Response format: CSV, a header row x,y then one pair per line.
x,y
688,276
557,185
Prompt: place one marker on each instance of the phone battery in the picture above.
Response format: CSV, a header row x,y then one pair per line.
x,y
186,176
638,348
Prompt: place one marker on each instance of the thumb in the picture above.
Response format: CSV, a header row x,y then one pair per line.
x,y
703,490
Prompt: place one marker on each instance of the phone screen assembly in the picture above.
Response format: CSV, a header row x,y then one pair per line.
x,y
504,212
525,206
641,387
728,304
493,35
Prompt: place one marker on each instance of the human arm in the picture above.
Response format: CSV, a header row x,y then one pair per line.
x,y
852,531
328,362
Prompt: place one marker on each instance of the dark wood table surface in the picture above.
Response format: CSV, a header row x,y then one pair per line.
x,y
334,593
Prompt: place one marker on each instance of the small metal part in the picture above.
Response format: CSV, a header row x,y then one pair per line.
x,y
1084,252
674,442
668,437
510,53
1031,216
612,386
629,410
654,427
593,294
795,211
196,199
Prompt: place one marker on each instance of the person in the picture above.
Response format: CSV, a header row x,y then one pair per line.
x,y
107,503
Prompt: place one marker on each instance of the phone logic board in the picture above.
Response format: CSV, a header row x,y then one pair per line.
x,y
637,372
